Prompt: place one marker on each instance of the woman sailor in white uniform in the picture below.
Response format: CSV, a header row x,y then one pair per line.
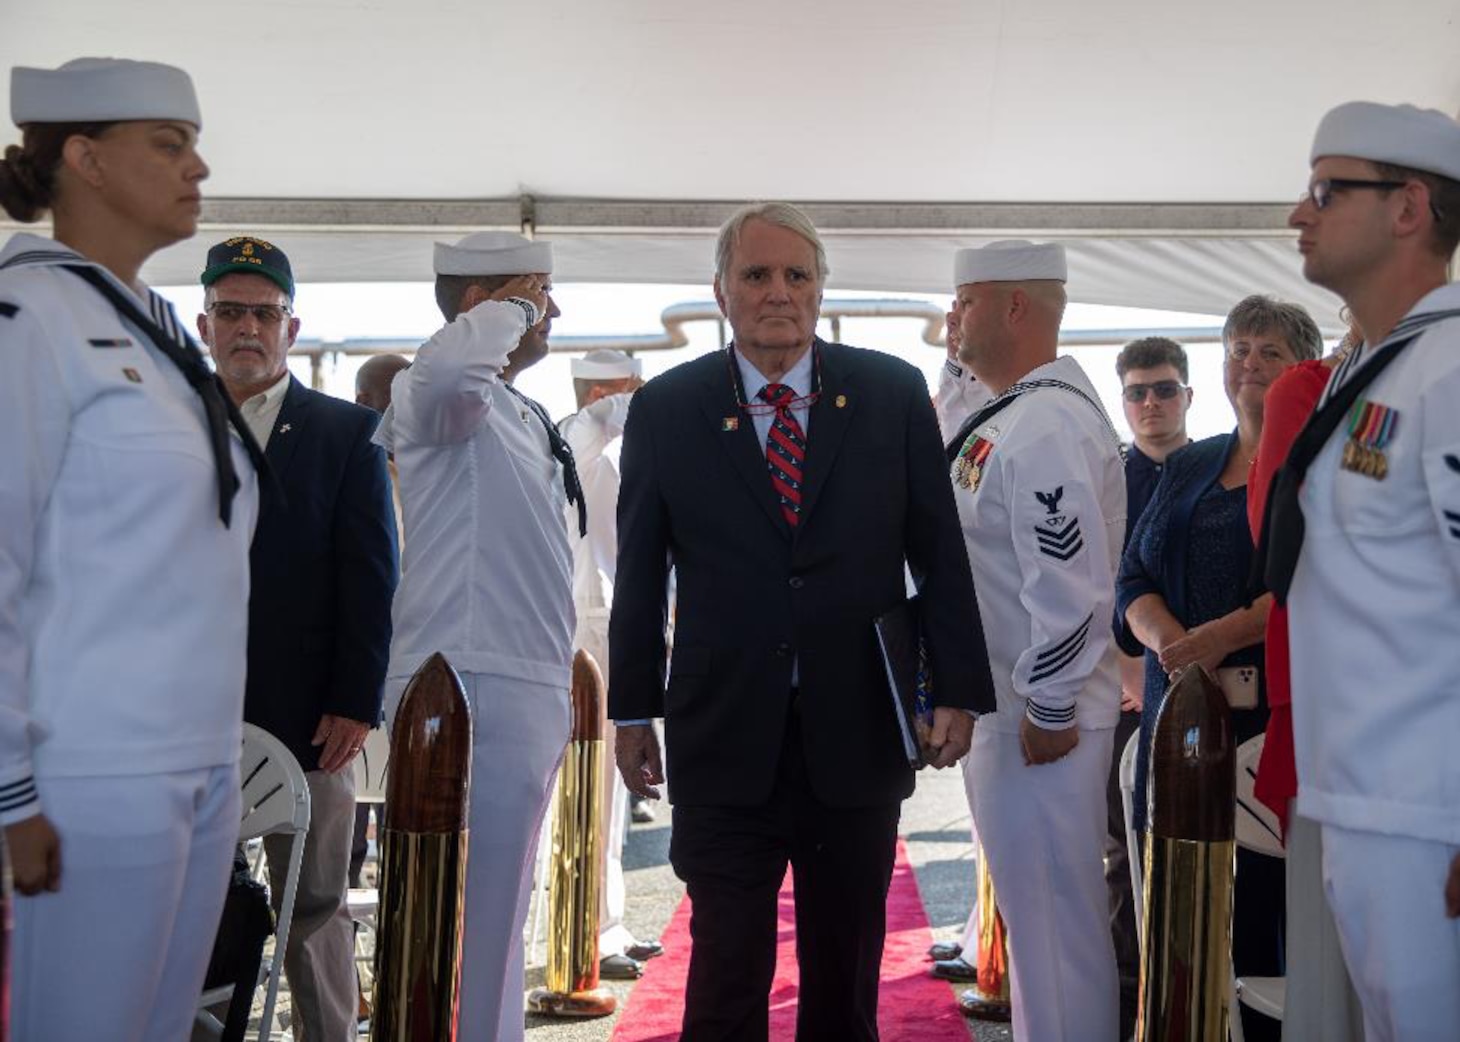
x,y
126,511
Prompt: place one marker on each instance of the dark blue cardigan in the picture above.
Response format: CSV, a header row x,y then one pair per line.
x,y
1155,561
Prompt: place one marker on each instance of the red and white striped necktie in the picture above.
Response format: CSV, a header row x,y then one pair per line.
x,y
785,451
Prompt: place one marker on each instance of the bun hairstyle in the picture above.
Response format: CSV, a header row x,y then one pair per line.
x,y
28,170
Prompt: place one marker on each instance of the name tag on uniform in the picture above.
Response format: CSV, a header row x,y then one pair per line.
x,y
120,341
1370,429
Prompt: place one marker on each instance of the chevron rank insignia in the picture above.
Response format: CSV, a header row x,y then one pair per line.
x,y
1056,657
1452,519
1056,534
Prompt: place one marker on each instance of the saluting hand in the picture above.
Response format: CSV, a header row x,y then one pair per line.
x,y
636,751
34,850
1041,746
528,287
951,737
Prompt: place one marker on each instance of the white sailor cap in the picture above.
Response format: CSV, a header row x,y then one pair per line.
x,y
1012,260
494,253
606,365
1404,135
102,90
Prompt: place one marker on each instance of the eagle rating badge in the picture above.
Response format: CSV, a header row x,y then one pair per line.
x,y
1057,534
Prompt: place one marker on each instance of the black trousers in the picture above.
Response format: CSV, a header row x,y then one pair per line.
x,y
1123,912
733,860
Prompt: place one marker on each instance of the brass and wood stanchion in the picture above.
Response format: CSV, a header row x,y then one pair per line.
x,y
989,999
571,988
423,851
1190,866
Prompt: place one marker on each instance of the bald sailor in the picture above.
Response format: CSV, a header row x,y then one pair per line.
x,y
603,385
485,480
1363,537
1040,491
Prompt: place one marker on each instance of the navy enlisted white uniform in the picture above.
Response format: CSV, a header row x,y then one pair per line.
x,y
1374,599
604,382
486,579
126,511
1041,495
959,396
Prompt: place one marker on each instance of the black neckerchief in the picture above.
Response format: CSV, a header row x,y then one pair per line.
x,y
218,408
562,452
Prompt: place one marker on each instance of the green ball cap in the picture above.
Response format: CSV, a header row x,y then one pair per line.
x,y
249,256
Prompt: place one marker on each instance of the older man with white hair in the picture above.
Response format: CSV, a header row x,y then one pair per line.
x,y
485,480
1040,490
790,482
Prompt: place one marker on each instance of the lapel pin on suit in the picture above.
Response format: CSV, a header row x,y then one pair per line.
x,y
841,401
285,428
730,423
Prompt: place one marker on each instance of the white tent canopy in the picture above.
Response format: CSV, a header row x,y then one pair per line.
x,y
1161,141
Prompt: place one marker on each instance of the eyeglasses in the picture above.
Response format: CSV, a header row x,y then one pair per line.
x,y
1320,192
264,314
1164,390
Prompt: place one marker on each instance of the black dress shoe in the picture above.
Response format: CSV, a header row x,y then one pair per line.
x,y
620,967
954,969
643,951
945,950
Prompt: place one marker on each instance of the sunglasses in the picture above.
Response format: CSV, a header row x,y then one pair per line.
x,y
1164,390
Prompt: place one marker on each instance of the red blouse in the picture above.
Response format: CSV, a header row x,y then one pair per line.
x,y
1290,400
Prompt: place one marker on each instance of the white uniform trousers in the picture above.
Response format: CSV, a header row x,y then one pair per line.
x,y
320,962
614,937
1321,1002
519,732
1388,899
969,940
1043,832
119,953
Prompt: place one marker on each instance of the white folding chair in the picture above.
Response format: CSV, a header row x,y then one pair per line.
x,y
275,800
1132,847
370,769
1259,830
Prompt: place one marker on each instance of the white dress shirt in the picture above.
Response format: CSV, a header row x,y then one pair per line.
x,y
261,411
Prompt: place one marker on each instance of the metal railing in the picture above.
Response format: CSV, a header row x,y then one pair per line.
x,y
675,317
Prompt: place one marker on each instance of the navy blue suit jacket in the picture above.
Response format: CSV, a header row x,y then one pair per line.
x,y
324,572
754,596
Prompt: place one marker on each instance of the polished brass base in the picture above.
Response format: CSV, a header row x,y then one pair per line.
x,y
974,1003
1187,965
598,1002
418,937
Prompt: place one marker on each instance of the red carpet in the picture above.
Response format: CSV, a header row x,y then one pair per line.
x,y
912,1006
